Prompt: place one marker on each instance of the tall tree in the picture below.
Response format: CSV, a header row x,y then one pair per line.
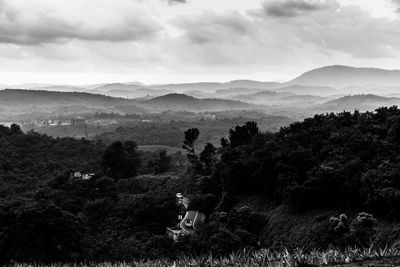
x,y
121,160
191,136
243,134
208,158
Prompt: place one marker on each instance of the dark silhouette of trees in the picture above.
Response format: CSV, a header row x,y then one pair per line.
x,y
329,160
243,134
41,232
120,160
162,163
209,158
15,129
191,136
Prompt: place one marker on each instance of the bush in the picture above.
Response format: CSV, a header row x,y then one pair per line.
x,y
359,232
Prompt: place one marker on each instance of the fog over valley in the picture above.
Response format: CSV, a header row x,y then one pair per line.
x,y
199,133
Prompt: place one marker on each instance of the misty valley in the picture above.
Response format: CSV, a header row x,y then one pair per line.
x,y
244,173
130,110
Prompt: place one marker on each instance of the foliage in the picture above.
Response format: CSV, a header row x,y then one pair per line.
x,y
162,163
40,232
120,160
358,232
209,158
191,136
346,161
332,160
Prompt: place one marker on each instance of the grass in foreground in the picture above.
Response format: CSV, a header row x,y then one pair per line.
x,y
264,257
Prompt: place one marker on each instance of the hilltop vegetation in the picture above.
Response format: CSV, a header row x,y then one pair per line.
x,y
170,133
329,181
360,102
345,160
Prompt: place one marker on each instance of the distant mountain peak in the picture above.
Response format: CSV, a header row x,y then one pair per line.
x,y
339,76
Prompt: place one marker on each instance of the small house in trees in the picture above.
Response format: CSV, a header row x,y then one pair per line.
x,y
80,175
189,221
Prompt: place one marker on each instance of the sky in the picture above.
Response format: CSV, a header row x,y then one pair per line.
x,y
176,41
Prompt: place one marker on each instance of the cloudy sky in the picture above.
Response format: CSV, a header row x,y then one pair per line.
x,y
165,41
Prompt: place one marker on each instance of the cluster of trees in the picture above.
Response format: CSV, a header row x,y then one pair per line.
x,y
48,215
346,160
28,160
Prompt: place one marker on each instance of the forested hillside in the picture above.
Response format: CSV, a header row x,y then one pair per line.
x,y
27,161
252,187
334,160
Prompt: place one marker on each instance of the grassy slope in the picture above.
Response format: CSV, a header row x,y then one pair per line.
x,y
285,258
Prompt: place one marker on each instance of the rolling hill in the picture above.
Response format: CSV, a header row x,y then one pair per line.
x,y
36,103
361,102
308,90
185,102
211,87
344,76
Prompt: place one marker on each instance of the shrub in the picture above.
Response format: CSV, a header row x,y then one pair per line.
x,y
359,232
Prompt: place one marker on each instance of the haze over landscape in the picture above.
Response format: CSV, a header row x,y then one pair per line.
x,y
200,133
292,58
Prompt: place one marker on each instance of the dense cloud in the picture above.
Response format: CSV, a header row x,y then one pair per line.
x,y
151,38
210,27
291,8
31,23
397,2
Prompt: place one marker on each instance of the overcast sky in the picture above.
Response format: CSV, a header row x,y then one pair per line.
x,y
164,41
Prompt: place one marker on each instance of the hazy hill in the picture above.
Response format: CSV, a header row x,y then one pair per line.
x,y
308,90
35,102
9,97
282,99
185,102
60,88
214,86
344,76
128,90
117,86
204,87
360,102
237,91
253,84
137,93
260,97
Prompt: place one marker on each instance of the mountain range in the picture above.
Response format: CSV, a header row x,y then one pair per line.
x,y
344,76
325,81
37,103
331,88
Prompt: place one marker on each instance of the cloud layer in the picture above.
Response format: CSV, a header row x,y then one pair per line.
x,y
290,8
151,39
31,22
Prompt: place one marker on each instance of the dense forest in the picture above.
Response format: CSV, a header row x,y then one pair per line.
x,y
343,163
